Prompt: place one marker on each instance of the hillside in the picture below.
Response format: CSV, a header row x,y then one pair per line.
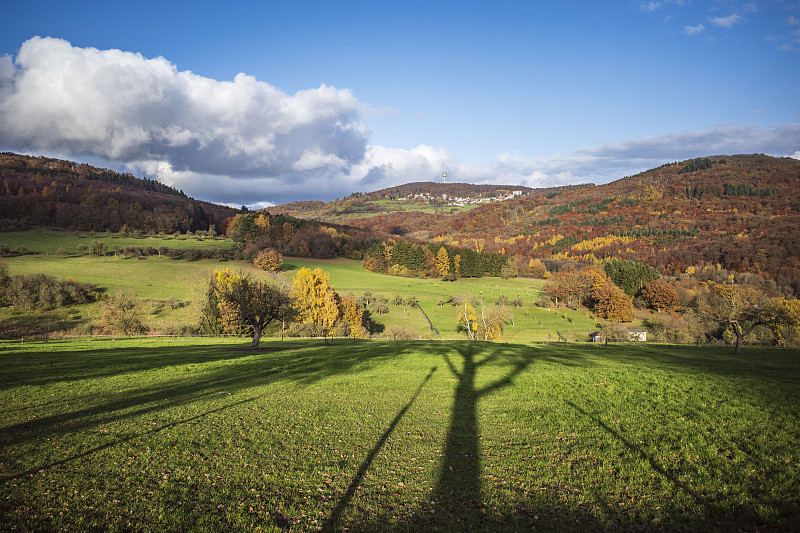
x,y
41,191
421,197
742,212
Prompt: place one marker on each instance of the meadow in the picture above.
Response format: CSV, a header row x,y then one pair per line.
x,y
530,323
173,289
203,434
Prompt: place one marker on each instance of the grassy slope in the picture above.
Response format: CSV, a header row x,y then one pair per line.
x,y
348,277
151,434
49,241
161,279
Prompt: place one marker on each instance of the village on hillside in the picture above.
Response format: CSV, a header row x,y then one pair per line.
x,y
461,200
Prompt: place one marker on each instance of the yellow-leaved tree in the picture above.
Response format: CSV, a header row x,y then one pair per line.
x,y
314,300
230,317
353,316
467,319
443,261
270,260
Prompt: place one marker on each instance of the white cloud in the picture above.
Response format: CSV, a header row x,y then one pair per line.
x,y
694,30
726,22
124,107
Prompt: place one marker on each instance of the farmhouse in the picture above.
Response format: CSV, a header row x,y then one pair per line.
x,y
634,334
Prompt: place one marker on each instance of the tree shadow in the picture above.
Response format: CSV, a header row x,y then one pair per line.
x,y
333,520
232,371
457,496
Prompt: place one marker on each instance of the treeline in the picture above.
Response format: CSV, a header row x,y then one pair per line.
x,y
404,258
295,237
54,167
694,165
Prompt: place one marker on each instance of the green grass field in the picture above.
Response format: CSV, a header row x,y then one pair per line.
x,y
158,280
531,323
43,241
204,435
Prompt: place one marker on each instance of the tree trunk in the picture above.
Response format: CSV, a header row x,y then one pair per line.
x,y
256,338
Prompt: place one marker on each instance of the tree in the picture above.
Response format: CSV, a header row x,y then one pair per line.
x,y
491,322
443,261
742,308
314,300
98,248
218,314
611,303
269,260
123,312
537,268
630,276
258,303
660,294
353,316
566,286
467,320
784,318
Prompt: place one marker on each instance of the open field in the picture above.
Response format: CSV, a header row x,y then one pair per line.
x,y
157,434
530,323
43,241
158,280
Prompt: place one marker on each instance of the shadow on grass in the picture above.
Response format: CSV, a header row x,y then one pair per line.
x,y
333,521
457,502
230,371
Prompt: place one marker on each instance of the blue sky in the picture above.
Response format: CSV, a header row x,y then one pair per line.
x,y
266,102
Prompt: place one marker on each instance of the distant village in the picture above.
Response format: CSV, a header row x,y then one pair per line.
x,y
461,200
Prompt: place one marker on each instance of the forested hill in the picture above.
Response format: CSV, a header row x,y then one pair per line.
x,y
741,211
40,191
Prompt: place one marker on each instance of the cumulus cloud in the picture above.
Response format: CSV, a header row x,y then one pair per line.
x,y
147,114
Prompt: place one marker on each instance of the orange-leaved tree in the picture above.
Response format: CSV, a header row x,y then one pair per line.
x,y
660,294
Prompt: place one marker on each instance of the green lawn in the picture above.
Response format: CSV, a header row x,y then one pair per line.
x,y
153,279
187,434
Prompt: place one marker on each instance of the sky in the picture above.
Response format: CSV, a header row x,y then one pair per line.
x,y
262,103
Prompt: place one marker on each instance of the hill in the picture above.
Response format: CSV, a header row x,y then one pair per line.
x,y
420,197
41,191
741,212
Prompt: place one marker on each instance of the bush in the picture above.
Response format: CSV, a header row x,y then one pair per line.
x,y
670,328
123,313
400,333
40,290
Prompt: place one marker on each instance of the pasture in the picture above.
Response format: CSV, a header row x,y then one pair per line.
x,y
188,434
173,290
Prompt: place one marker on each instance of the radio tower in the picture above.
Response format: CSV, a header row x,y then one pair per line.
x,y
444,176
